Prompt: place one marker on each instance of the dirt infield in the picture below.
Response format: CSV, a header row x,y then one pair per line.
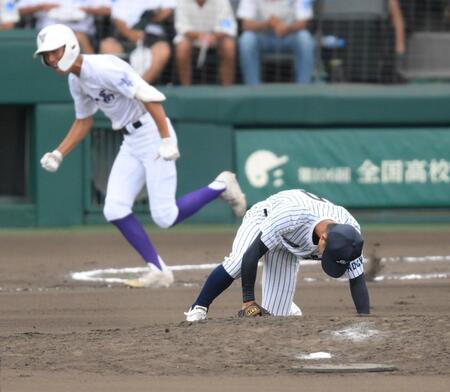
x,y
58,334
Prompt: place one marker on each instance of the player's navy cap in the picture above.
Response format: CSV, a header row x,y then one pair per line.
x,y
344,244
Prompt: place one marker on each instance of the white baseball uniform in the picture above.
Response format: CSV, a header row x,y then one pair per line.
x,y
109,84
286,221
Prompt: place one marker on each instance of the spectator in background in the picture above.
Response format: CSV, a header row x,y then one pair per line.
x,y
79,15
205,24
8,14
398,23
142,22
274,26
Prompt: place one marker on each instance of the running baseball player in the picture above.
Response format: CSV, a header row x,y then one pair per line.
x,y
148,151
285,228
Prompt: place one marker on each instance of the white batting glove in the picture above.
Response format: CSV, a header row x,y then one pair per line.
x,y
52,160
168,150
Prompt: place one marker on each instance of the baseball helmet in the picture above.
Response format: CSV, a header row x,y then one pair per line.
x,y
54,37
344,244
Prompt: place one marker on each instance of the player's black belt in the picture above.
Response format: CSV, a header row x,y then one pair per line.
x,y
124,131
265,212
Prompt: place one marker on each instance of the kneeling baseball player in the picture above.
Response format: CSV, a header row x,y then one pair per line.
x,y
148,151
285,228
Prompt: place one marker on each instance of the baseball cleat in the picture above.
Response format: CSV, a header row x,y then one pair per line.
x,y
196,313
153,278
295,310
233,194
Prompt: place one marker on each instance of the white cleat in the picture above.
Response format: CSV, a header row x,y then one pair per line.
x,y
153,278
196,313
233,194
295,310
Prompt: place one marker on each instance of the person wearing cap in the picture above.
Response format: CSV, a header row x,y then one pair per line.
x,y
285,228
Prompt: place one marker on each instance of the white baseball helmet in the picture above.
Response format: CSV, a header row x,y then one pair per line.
x,y
54,37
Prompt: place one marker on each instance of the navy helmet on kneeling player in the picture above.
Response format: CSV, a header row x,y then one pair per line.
x,y
344,244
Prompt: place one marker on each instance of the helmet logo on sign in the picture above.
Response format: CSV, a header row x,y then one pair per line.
x,y
259,166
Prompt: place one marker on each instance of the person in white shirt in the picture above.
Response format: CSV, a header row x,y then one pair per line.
x,y
77,14
8,14
205,24
148,152
285,228
275,26
140,23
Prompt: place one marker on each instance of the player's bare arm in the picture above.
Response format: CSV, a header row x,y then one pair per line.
x,y
159,115
79,130
168,149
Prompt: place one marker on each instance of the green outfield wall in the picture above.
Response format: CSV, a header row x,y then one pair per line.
x,y
382,151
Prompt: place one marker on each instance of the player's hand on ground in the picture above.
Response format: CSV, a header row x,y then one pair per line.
x,y
52,160
253,310
168,150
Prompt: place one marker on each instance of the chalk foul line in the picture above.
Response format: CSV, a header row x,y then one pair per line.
x,y
121,275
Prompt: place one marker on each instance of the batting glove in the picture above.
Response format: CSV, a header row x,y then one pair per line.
x,y
51,160
168,150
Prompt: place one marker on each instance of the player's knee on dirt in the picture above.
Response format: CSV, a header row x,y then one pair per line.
x,y
164,216
114,210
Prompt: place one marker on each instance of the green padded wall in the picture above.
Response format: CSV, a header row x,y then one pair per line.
x,y
206,150
207,119
59,196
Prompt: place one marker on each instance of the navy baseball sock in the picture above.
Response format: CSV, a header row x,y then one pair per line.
x,y
190,203
134,232
218,281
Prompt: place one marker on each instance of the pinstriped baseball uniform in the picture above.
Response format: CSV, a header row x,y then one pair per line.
x,y
286,221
